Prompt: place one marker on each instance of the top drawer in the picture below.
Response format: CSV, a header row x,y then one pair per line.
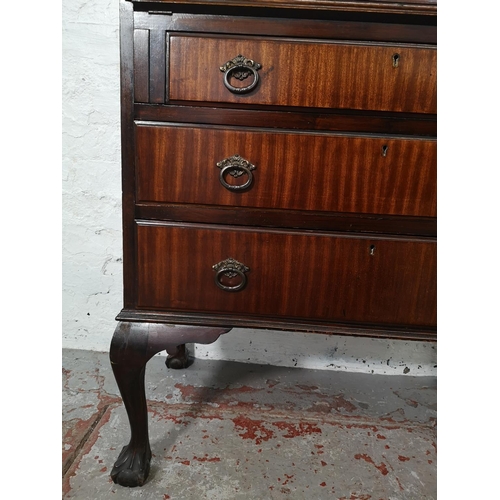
x,y
304,74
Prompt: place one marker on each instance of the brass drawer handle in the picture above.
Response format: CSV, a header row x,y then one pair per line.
x,y
230,268
235,166
240,67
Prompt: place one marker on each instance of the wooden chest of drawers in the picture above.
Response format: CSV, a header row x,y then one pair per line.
x,y
279,171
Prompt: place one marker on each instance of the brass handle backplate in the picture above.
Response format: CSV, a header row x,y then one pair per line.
x,y
230,268
241,68
235,166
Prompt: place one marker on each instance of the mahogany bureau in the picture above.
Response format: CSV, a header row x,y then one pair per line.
x,y
279,172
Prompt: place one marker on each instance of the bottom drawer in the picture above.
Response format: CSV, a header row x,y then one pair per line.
x,y
330,277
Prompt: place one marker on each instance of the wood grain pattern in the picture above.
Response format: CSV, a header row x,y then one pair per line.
x,y
298,275
322,172
307,74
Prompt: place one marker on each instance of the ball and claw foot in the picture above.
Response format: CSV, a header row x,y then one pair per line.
x,y
132,467
178,358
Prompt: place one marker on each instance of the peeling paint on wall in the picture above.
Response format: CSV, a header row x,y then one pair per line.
x,y
92,250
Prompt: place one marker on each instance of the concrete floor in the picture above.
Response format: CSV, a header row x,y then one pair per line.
x,y
227,431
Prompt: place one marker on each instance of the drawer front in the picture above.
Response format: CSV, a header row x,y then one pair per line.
x,y
288,275
305,73
320,172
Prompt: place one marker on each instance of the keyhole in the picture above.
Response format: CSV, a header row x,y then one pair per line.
x,y
384,150
395,60
372,249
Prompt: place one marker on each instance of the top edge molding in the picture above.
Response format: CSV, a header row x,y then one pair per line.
x,y
415,7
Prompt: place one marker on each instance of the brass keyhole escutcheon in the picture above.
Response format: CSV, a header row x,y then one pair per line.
x,y
395,60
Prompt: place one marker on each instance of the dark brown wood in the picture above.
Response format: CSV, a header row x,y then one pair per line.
x,y
178,357
307,28
347,121
403,332
141,65
292,274
133,345
421,7
322,172
128,149
323,221
157,69
307,74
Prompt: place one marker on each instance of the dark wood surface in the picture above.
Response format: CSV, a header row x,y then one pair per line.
x,y
421,7
375,176
261,217
127,149
141,65
379,30
292,274
403,332
316,141
307,74
382,175
291,118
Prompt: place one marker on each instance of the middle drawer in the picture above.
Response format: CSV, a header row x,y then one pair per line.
x,y
296,171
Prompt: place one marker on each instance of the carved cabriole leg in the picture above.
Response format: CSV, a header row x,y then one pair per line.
x,y
133,345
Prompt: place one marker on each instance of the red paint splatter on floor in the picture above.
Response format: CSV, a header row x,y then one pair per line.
x,y
362,426
322,484
379,436
206,459
185,462
295,430
382,467
401,458
166,497
254,429
323,463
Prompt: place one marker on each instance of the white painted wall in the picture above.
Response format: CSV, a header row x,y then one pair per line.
x,y
92,273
